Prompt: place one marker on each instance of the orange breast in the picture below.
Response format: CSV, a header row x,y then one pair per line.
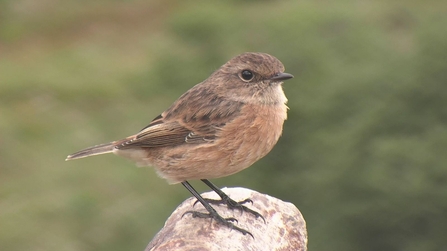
x,y
252,136
239,144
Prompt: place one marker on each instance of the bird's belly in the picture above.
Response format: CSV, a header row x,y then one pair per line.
x,y
239,144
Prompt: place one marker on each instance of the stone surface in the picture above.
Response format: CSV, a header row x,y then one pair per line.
x,y
285,228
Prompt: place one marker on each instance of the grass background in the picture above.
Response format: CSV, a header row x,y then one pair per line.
x,y
363,154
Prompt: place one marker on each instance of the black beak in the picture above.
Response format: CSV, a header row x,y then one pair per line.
x,y
281,76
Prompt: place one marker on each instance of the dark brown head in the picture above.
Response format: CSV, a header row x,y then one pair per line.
x,y
251,77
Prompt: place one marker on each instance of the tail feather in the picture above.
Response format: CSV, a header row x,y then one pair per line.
x,y
93,150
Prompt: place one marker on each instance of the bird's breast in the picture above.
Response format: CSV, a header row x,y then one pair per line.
x,y
252,134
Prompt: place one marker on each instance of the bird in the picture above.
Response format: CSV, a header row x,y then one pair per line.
x,y
217,128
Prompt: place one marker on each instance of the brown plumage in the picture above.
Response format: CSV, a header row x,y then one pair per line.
x,y
219,127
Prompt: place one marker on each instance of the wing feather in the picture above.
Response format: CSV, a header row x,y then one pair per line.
x,y
187,121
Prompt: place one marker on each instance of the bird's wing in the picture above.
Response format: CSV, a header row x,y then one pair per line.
x,y
192,123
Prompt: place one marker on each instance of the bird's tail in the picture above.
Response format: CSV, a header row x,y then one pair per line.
x,y
93,150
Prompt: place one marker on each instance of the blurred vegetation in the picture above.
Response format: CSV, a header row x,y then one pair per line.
x,y
363,154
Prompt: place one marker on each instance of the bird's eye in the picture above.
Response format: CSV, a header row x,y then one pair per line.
x,y
247,75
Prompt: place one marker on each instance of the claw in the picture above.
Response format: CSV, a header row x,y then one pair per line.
x,y
228,222
231,204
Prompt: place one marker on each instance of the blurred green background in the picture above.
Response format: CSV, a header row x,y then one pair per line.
x,y
364,151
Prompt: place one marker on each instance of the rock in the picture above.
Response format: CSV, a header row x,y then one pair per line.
x,y
285,228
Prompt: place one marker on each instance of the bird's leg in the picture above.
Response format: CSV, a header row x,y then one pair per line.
x,y
212,213
231,204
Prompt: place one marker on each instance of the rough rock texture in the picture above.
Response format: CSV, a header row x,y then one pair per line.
x,y
285,228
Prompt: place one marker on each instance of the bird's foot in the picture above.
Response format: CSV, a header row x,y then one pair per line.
x,y
228,222
232,204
